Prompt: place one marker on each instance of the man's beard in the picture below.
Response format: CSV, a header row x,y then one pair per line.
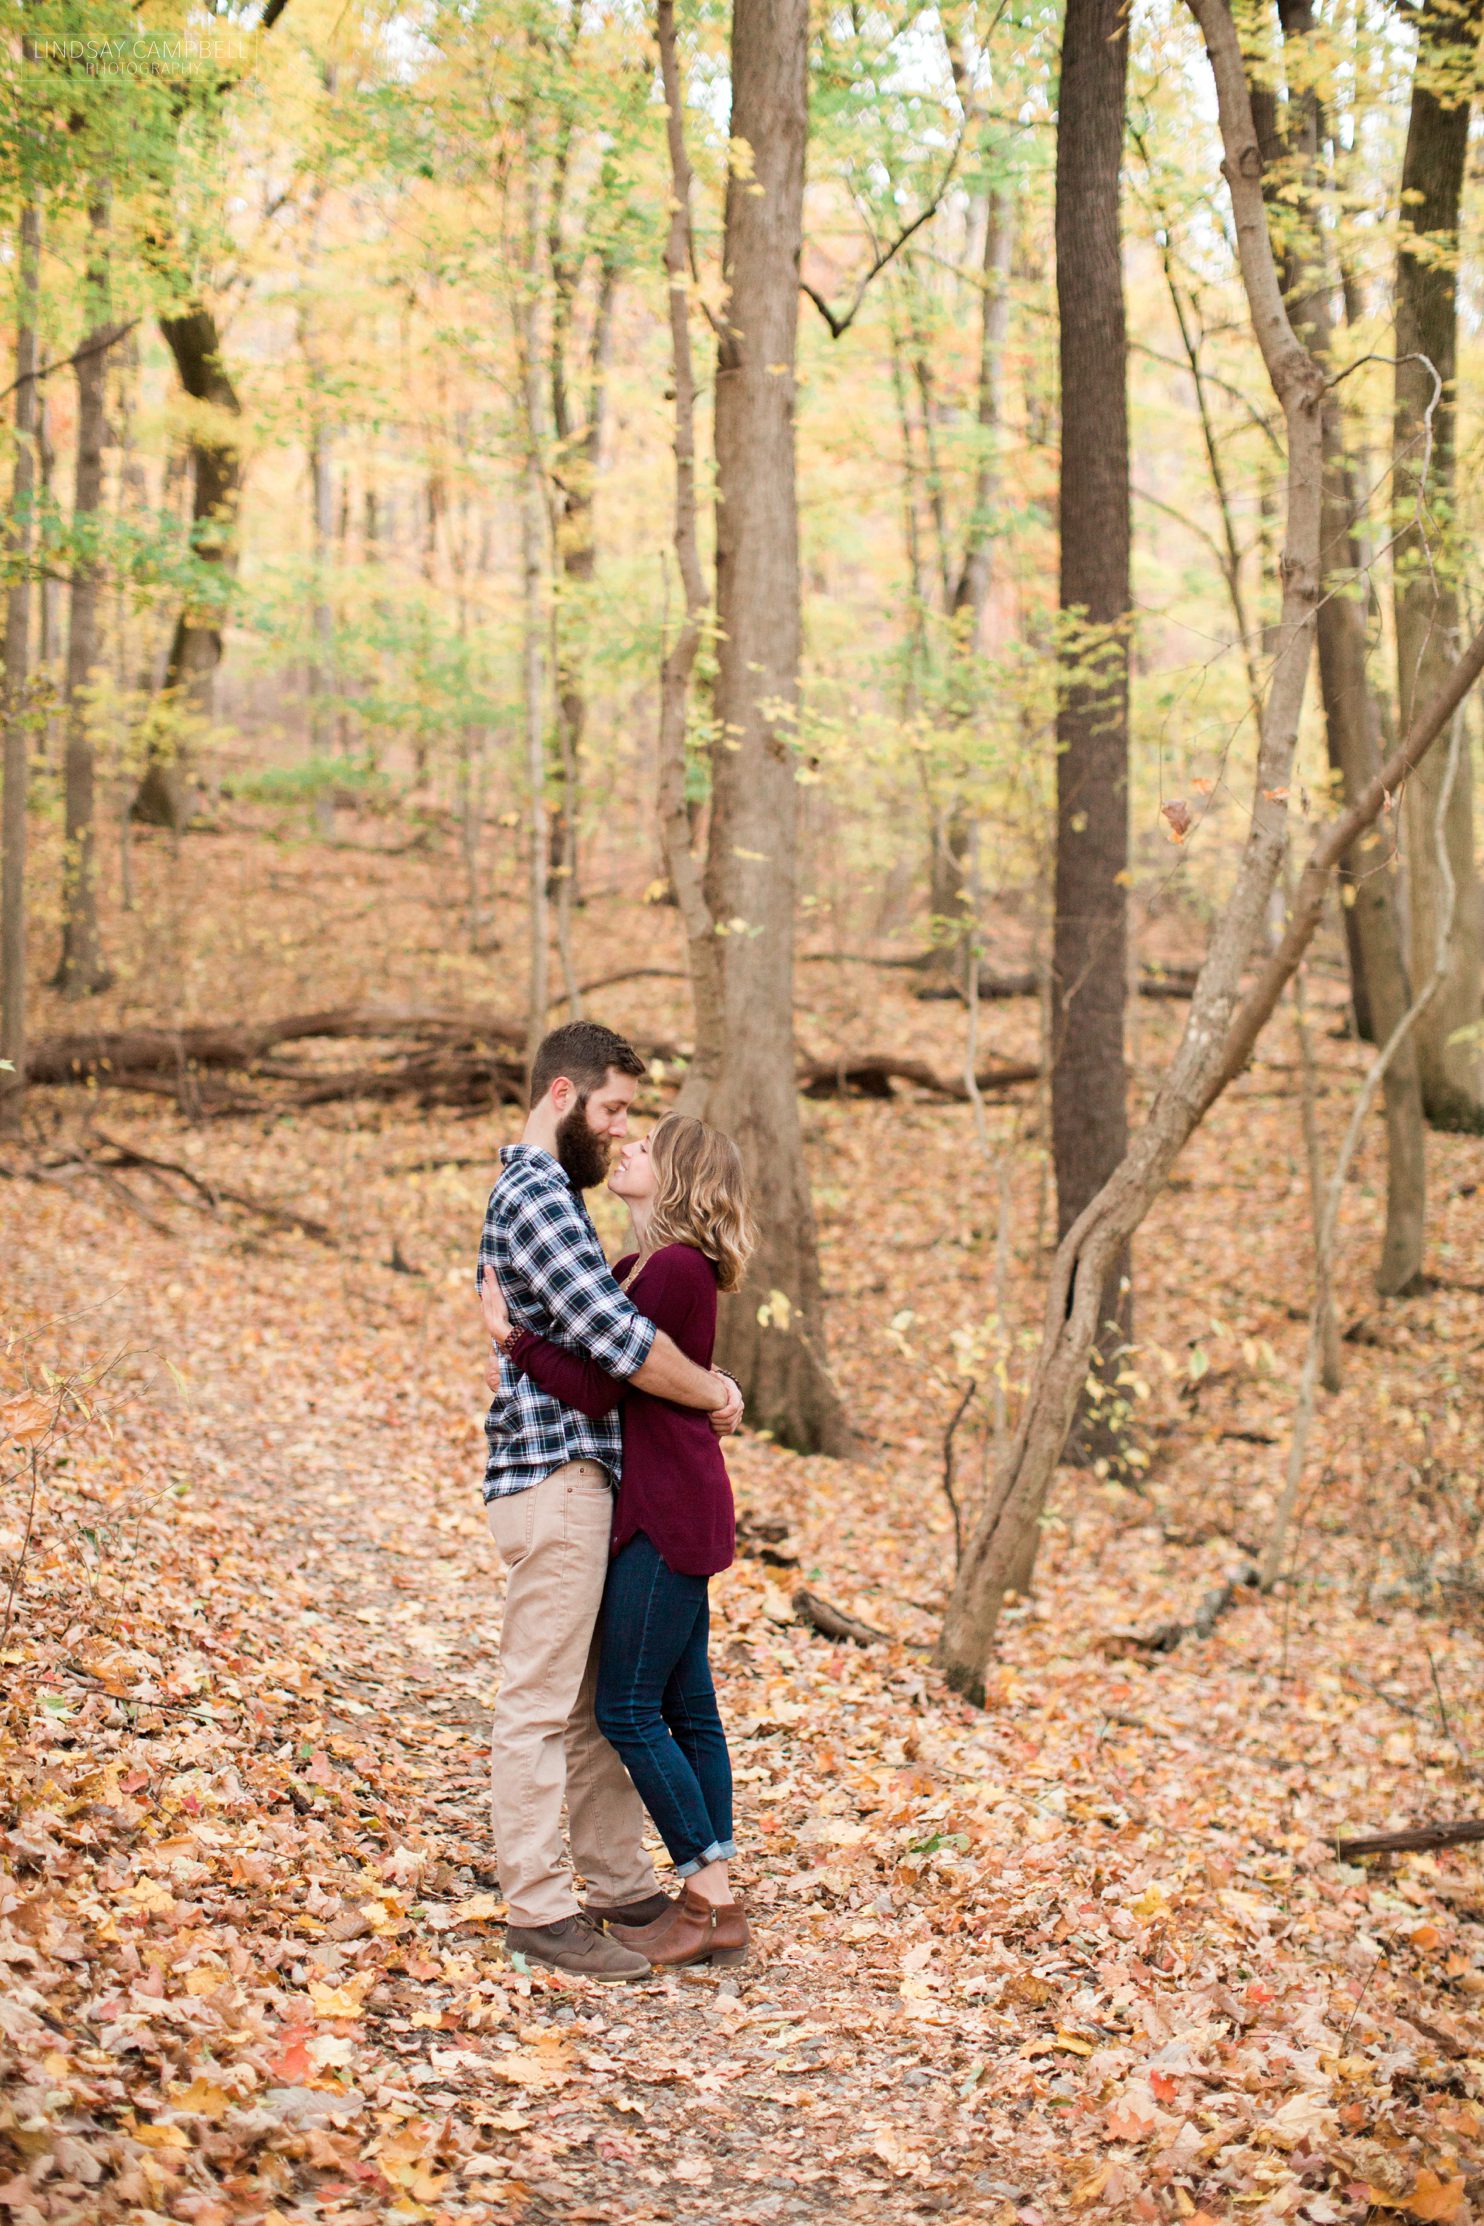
x,y
583,1156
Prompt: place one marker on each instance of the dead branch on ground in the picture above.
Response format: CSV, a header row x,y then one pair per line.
x,y
833,1623
1420,1840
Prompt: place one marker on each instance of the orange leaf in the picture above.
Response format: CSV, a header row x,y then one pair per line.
x,y
1435,2198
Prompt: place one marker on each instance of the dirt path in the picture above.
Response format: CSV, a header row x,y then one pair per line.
x,y
1085,1953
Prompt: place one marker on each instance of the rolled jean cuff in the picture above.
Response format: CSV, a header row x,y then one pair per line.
x,y
720,1851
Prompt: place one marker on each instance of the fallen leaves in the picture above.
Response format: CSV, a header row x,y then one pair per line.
x,y
1027,1963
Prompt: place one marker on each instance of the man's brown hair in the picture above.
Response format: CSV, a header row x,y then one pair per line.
x,y
583,1051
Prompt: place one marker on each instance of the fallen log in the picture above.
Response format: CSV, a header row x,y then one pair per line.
x,y
833,1623
457,1058
1420,1840
1163,1638
109,1055
871,1075
1154,981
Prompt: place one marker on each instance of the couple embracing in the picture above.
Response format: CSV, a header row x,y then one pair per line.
x,y
608,1499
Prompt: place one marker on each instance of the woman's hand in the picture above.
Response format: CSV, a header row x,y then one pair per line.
x,y
492,1300
492,1375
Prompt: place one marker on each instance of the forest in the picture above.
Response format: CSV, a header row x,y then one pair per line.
x,y
921,563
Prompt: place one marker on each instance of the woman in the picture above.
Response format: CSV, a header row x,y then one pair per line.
x,y
674,1526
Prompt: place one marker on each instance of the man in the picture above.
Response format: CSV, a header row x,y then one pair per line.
x,y
548,1489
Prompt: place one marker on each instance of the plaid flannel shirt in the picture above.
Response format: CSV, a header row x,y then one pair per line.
x,y
540,1241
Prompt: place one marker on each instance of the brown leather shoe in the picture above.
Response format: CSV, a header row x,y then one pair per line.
x,y
695,1931
577,1945
629,1913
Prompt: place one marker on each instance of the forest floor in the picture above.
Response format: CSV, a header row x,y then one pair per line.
x,y
1084,1954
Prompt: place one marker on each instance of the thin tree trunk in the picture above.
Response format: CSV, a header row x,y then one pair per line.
x,y
1271,1566
81,971
971,595
1331,1371
773,1338
1091,1248
322,666
1427,555
1351,723
17,674
579,451
1089,1079
216,488
131,679
533,539
703,951
49,645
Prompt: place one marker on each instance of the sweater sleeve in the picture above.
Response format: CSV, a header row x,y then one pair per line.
x,y
566,1376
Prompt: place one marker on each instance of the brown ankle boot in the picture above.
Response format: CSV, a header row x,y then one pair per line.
x,y
695,1931
730,1937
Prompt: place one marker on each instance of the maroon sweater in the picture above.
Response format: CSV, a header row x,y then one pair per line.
x,y
675,1486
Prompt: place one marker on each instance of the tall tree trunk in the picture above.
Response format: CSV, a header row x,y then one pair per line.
x,y
971,595
1217,1037
1427,553
49,644
216,488
1290,145
81,971
322,666
703,950
1089,1082
1354,738
773,1339
579,453
533,539
17,673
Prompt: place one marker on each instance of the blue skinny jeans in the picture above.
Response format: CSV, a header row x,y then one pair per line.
x,y
656,1704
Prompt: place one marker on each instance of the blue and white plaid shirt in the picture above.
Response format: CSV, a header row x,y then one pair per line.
x,y
539,1240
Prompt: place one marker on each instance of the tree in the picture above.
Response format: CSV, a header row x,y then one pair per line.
x,y
774,1339
17,673
216,489
1290,150
1089,1083
1223,1023
702,947
81,971
1424,441
533,555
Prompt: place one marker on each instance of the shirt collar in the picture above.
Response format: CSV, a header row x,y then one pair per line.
x,y
512,1154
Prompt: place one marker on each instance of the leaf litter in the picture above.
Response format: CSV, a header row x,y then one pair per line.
x,y
1084,1954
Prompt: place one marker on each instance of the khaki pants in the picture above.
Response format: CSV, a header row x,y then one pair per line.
x,y
553,1538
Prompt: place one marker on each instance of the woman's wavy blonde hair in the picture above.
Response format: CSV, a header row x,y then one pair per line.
x,y
700,1196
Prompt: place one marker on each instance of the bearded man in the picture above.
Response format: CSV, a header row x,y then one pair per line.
x,y
548,1489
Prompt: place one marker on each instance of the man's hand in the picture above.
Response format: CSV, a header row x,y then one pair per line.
x,y
724,1420
492,1300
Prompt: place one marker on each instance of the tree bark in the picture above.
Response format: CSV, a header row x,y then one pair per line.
x,y
702,950
1093,1244
1352,723
216,487
773,1339
1425,564
971,595
533,536
81,971
17,674
1089,1081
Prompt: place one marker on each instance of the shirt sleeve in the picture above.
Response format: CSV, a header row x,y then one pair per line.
x,y
486,1256
566,1376
552,1245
